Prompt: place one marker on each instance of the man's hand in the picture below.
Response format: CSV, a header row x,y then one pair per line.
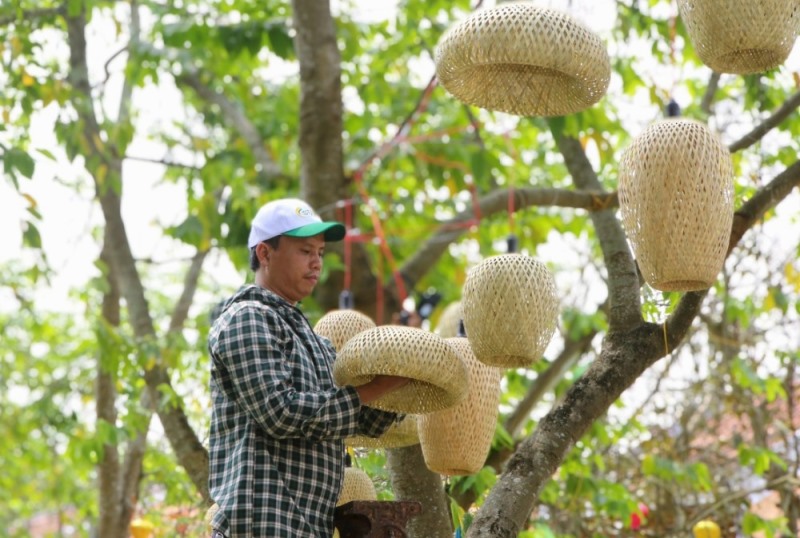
x,y
380,385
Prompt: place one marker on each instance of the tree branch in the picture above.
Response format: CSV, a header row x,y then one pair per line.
x,y
760,130
30,14
711,89
493,203
623,277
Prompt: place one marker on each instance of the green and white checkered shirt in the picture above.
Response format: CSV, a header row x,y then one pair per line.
x,y
278,421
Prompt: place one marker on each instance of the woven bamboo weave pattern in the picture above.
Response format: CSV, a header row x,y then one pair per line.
x,y
510,310
447,325
210,513
457,440
741,36
438,373
399,434
676,203
523,59
339,326
357,486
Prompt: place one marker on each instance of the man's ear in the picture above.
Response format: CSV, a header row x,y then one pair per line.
x,y
263,253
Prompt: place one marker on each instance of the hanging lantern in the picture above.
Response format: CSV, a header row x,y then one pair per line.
x,y
706,529
510,310
457,440
523,59
339,326
209,517
676,203
399,434
141,528
357,486
447,325
439,376
741,36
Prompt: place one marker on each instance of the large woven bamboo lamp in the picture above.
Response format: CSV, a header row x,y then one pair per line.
x,y
741,36
339,326
676,203
523,59
439,376
510,310
457,440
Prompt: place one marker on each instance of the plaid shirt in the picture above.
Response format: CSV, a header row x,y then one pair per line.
x,y
278,421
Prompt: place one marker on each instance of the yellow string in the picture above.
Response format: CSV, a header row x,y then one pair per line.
x,y
666,344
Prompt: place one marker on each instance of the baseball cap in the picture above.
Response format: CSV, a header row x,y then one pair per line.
x,y
293,217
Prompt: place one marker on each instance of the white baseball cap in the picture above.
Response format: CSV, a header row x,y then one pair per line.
x,y
293,217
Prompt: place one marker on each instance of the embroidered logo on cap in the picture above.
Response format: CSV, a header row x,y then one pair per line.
x,y
304,211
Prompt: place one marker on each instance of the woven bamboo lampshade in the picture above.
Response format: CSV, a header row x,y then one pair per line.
x,y
741,36
457,440
523,59
399,434
210,513
510,310
439,376
676,203
357,486
447,325
339,326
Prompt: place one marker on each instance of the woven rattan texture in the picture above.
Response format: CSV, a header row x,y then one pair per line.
x,y
523,59
399,434
357,486
456,441
438,373
210,513
339,326
447,324
676,203
741,36
510,310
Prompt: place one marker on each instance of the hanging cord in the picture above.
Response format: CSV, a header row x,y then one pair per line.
x,y
673,108
346,296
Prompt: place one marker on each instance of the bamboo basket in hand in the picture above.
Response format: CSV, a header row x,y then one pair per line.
x,y
398,435
439,376
676,203
510,310
741,36
457,440
523,59
339,326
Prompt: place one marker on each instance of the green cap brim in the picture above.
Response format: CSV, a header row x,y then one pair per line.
x,y
334,231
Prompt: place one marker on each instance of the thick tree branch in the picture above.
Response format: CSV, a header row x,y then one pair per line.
x,y
760,130
623,277
622,360
493,203
711,89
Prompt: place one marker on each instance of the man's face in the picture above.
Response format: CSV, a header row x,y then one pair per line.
x,y
293,269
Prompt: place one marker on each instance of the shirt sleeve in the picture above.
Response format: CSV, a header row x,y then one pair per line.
x,y
252,348
374,422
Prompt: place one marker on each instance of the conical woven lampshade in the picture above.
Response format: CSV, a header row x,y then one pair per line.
x,y
339,326
510,310
357,486
399,434
447,325
523,59
676,203
741,36
438,373
457,440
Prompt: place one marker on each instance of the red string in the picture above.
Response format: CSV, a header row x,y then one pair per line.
x,y
379,292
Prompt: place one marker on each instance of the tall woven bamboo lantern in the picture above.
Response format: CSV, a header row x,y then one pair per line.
x,y
449,320
399,434
439,376
457,440
510,310
741,36
523,59
676,203
357,486
339,326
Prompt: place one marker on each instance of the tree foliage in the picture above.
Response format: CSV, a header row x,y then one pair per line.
x,y
683,402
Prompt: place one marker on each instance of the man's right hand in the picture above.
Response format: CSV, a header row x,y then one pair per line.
x,y
380,385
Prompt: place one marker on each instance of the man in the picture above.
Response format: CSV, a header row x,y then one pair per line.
x,y
278,421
